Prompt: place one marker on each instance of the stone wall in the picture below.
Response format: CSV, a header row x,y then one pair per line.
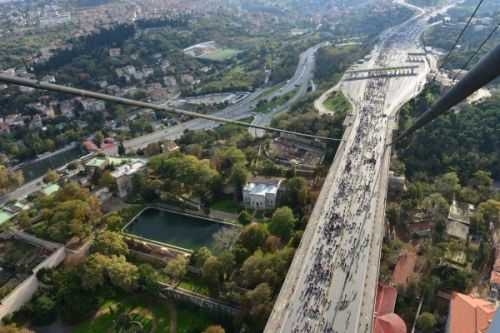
x,y
24,291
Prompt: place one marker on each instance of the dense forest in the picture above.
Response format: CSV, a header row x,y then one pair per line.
x,y
463,140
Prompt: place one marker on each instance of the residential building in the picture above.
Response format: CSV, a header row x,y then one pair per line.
x,y
123,175
404,268
261,193
386,321
459,220
469,314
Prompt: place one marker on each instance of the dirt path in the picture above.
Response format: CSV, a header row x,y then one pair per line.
x,y
173,316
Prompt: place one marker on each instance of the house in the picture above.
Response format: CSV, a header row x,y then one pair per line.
x,y
123,175
459,220
386,321
404,268
469,314
66,107
261,193
93,105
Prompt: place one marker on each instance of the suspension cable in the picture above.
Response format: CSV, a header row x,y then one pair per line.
x,y
467,63
445,59
131,102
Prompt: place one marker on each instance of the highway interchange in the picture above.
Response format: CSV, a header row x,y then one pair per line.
x,y
244,109
331,284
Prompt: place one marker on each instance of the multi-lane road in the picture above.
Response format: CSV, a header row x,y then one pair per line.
x,y
299,82
331,284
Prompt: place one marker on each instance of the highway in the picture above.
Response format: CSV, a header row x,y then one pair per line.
x,y
331,284
243,109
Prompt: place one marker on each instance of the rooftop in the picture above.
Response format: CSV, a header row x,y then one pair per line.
x,y
460,212
4,216
457,229
262,186
469,314
404,267
51,188
128,168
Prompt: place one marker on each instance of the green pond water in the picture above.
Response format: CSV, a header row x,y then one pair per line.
x,y
179,230
38,168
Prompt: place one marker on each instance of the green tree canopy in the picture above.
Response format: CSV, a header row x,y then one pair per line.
x,y
282,223
9,179
110,243
176,269
426,322
253,236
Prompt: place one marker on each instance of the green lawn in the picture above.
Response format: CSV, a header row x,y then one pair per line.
x,y
221,54
192,320
156,312
337,102
194,284
228,205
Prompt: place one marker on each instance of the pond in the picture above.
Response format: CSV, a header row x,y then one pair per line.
x,y
182,230
37,168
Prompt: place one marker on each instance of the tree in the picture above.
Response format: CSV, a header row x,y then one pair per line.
x,y
113,221
282,223
228,263
436,210
148,279
121,149
426,322
12,328
123,274
9,179
182,174
257,305
297,194
199,256
226,159
238,178
99,138
70,212
176,269
94,271
214,329
481,181
43,310
51,176
24,219
110,243
448,185
253,236
107,180
212,273
490,210
245,217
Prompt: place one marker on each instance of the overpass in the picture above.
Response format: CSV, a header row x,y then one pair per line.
x,y
370,73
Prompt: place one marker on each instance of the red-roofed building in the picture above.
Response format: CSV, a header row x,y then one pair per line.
x,y
386,321
90,146
404,268
469,314
386,299
389,323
